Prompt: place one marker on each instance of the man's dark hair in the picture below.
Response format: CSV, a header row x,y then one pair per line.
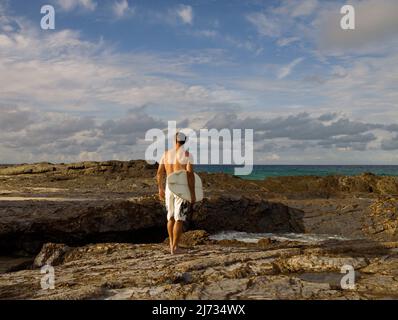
x,y
181,138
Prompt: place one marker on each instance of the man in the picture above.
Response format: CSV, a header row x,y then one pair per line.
x,y
174,160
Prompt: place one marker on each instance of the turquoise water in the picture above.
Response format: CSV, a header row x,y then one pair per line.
x,y
261,172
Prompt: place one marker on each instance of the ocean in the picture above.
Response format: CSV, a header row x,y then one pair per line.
x,y
261,172
255,237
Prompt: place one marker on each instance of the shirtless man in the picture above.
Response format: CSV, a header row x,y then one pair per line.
x,y
174,160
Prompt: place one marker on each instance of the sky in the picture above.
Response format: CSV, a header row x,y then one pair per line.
x,y
113,69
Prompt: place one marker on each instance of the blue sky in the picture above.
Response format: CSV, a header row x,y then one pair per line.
x,y
112,69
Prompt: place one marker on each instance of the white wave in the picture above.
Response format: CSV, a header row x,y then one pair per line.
x,y
255,237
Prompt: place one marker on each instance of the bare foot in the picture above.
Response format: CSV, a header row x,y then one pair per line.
x,y
171,248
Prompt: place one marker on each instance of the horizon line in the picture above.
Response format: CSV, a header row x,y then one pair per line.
x,y
231,165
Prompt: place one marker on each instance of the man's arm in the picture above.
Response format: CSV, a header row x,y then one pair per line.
x,y
160,178
191,180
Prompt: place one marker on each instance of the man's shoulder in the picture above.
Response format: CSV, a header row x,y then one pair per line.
x,y
163,157
166,153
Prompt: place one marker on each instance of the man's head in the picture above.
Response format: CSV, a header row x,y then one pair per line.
x,y
181,138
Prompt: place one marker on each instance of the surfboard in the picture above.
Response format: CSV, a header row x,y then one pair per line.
x,y
178,184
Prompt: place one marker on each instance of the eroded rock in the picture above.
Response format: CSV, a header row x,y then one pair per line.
x,y
28,225
51,254
127,271
382,220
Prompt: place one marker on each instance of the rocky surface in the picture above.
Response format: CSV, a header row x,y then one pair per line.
x,y
382,220
138,168
120,180
102,226
366,184
211,270
27,225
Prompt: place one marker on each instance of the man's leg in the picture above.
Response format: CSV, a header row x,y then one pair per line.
x,y
170,216
170,230
178,228
181,210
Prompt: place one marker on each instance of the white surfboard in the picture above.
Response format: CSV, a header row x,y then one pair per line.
x,y
178,184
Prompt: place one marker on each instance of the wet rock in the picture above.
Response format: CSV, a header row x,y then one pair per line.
x,y
126,271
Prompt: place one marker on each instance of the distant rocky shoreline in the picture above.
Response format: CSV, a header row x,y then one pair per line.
x,y
114,204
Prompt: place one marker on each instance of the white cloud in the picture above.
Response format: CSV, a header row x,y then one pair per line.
x,y
61,71
185,13
277,20
265,25
69,5
376,28
318,24
294,8
271,157
303,8
57,89
122,8
5,41
34,135
244,44
174,16
283,42
286,70
364,88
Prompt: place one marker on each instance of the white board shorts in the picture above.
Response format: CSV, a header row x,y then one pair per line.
x,y
177,207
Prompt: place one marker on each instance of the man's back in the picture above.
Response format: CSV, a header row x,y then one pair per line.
x,y
175,161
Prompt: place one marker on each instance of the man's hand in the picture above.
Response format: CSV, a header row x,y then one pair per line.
x,y
191,182
161,195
